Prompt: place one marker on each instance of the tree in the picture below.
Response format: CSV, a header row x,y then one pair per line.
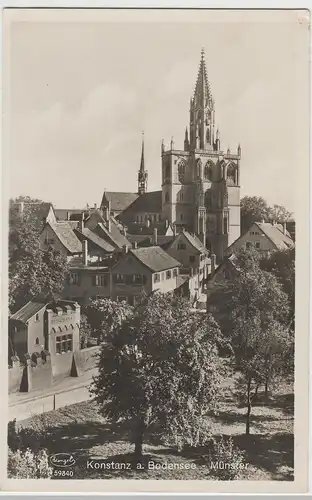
x,y
282,264
39,272
160,365
85,332
256,209
31,270
253,311
253,209
105,315
279,214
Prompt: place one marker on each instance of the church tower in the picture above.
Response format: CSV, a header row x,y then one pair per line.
x,y
200,184
142,173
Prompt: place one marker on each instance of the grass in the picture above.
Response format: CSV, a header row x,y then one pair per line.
x,y
81,430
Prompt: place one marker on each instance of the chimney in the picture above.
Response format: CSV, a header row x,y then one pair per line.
x,y
284,228
213,263
134,245
81,222
95,206
155,236
85,252
263,221
68,215
125,249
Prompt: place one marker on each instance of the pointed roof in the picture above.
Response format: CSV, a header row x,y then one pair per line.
x,y
202,87
142,165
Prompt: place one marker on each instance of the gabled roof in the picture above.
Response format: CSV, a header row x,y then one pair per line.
x,y
115,235
28,311
119,201
163,228
155,258
147,202
34,306
195,242
276,235
145,241
67,237
61,213
86,233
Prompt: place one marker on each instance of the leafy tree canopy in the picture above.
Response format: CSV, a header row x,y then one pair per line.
x,y
31,270
253,311
256,209
160,365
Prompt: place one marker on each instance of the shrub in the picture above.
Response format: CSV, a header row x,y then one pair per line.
x,y
24,438
227,457
28,465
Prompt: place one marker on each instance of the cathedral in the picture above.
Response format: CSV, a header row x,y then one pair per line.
x,y
200,183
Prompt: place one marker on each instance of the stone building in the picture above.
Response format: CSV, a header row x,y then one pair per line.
x,y
43,340
200,182
143,270
266,237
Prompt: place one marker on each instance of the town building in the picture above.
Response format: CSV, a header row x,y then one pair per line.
x,y
143,270
39,326
43,341
87,280
265,237
200,182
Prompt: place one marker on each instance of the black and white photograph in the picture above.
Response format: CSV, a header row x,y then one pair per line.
x,y
156,167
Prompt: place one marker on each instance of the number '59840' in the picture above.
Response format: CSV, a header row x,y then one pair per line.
x,y
63,473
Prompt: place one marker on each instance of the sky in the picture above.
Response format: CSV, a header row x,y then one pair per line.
x,y
80,93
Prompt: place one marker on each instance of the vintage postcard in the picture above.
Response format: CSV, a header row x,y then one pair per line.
x,y
156,215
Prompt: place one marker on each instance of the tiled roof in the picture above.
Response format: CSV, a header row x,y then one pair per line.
x,y
61,213
195,242
162,227
119,201
276,235
162,240
147,202
67,237
28,311
155,258
115,234
94,238
72,223
77,263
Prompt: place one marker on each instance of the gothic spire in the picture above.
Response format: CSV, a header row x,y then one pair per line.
x,y
202,87
142,155
142,174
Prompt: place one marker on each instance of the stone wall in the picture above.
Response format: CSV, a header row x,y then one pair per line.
x,y
84,360
38,372
15,375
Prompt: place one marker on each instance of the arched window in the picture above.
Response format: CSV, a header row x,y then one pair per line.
x,y
208,199
198,168
181,171
231,174
167,197
37,341
208,171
